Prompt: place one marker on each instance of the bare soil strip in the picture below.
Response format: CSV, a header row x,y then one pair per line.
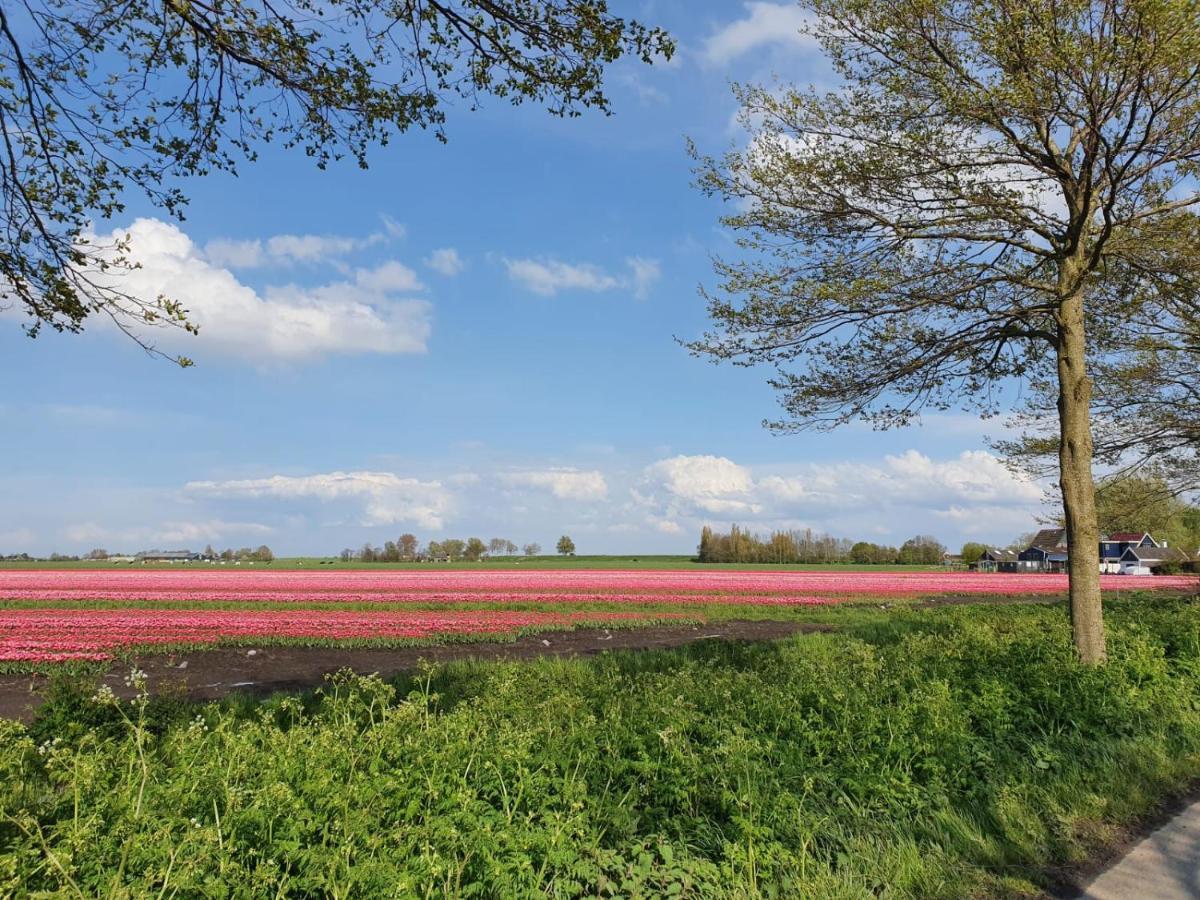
x,y
209,674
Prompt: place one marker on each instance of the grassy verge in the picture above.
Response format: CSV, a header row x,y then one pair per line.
x,y
950,752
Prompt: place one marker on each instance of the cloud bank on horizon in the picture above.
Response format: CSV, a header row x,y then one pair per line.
x,y
608,510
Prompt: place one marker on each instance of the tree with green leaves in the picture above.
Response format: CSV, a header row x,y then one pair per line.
x,y
865,553
922,550
1146,501
972,552
565,546
102,101
1145,409
475,549
997,193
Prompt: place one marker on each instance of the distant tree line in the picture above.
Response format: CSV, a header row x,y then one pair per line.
x,y
807,546
53,557
409,549
262,554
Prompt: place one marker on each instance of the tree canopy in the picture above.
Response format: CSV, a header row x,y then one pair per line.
x,y
972,551
998,194
1146,502
101,101
1146,411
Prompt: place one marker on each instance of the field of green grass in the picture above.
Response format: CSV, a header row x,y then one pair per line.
x,y
503,562
916,752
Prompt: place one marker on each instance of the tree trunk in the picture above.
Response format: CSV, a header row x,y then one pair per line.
x,y
1078,486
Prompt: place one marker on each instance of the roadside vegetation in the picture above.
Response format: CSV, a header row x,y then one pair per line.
x,y
943,752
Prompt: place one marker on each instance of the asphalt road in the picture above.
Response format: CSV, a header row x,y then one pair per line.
x,y
1163,866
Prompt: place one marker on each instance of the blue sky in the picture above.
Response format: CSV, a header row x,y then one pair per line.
x,y
469,339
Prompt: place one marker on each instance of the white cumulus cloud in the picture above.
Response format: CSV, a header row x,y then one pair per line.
x,y
446,261
548,277
392,228
360,314
711,483
972,489
387,497
765,24
289,249
645,273
974,476
566,483
386,278
235,254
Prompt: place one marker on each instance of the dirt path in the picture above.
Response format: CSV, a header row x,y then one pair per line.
x,y
211,674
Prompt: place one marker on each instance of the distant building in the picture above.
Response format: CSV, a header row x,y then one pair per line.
x,y
994,560
167,556
1113,546
1124,552
1047,552
1150,559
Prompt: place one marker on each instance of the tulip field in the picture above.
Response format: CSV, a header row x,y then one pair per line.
x,y
846,740
92,615
59,635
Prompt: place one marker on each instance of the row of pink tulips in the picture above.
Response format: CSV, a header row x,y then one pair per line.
x,y
38,635
418,597
505,586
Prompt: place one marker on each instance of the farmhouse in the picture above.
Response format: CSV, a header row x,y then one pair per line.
x,y
1046,553
1113,546
1125,552
1147,560
999,561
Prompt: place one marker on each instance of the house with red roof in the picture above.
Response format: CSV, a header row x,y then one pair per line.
x,y
1113,546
